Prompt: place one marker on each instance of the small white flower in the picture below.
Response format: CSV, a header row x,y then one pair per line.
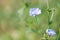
x,y
50,32
34,11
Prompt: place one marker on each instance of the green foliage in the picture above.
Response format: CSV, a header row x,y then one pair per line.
x,y
19,20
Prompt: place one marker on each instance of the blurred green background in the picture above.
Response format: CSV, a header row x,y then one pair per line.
x,y
16,24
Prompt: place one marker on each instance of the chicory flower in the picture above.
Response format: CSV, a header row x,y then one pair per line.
x,y
50,32
34,11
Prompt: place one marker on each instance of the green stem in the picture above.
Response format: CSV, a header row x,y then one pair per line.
x,y
48,20
36,20
51,18
48,14
38,27
47,4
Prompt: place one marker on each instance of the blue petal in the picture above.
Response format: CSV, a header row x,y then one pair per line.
x,y
50,32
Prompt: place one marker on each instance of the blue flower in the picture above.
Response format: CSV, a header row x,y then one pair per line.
x,y
50,32
34,11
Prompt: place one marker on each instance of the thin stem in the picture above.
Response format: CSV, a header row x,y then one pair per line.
x,y
48,20
52,15
36,20
37,28
48,14
47,4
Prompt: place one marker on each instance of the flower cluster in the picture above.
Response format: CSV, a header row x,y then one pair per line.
x,y
34,11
